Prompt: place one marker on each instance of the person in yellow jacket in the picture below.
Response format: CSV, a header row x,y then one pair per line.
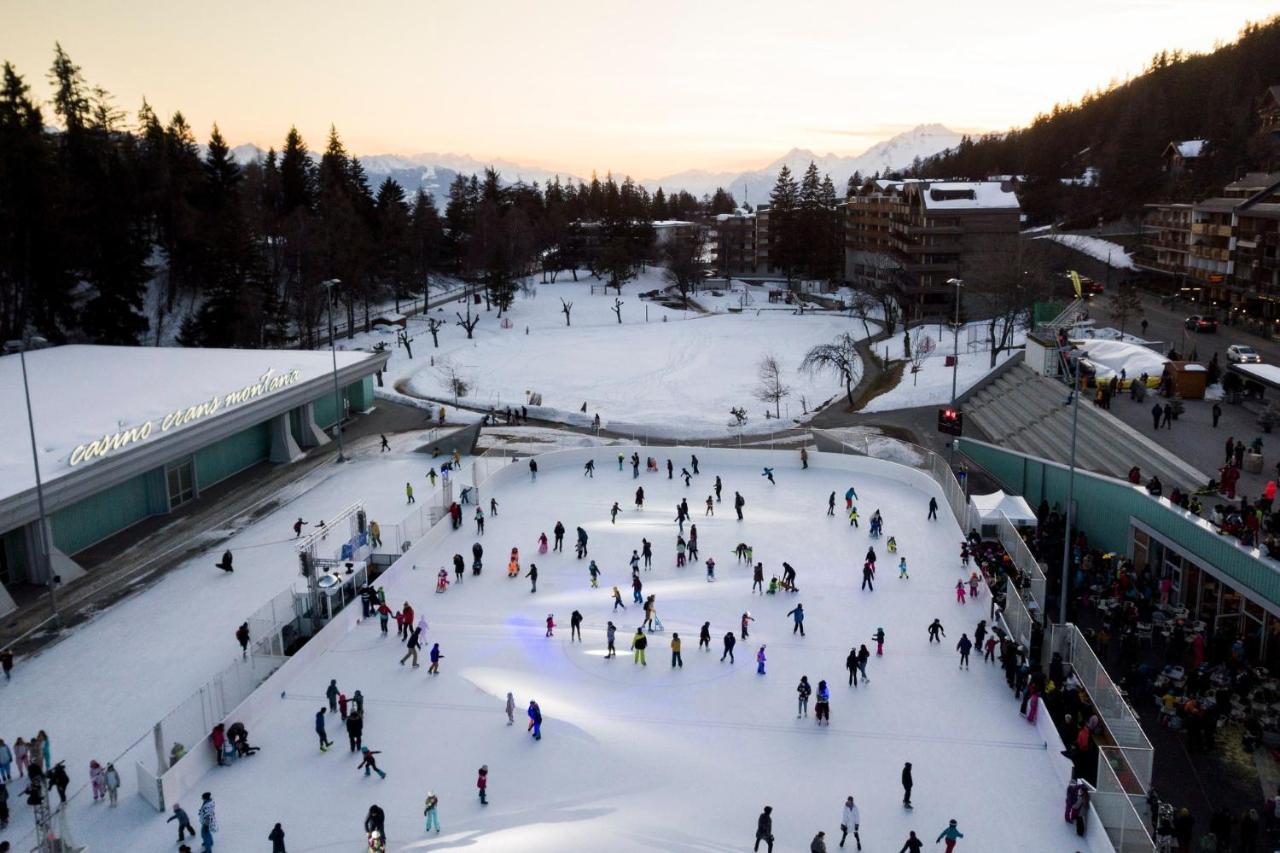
x,y
675,652
638,644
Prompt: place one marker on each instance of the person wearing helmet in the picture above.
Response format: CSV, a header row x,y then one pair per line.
x,y
433,820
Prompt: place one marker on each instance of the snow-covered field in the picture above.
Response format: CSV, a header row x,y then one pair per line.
x,y
1095,247
661,372
932,385
632,758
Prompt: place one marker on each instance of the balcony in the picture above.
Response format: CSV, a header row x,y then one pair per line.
x,y
1211,229
1160,266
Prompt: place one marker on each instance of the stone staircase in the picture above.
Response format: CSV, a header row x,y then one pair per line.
x,y
1026,412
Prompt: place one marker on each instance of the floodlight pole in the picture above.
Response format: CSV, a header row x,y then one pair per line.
x,y
1071,485
333,351
46,564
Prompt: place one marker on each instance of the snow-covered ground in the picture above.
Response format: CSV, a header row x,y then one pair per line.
x,y
647,758
107,682
661,372
1095,247
932,385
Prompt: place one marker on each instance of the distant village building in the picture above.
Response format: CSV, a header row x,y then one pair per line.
x,y
1181,156
1227,247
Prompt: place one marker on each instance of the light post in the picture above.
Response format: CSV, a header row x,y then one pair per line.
x,y
333,351
955,339
46,565
1071,487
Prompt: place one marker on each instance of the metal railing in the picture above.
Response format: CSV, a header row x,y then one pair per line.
x,y
1016,547
1122,723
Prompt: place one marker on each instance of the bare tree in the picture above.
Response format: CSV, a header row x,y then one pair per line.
x,y
617,309
453,379
1005,294
861,306
684,263
434,325
922,346
1124,304
771,388
469,323
839,357
566,307
886,299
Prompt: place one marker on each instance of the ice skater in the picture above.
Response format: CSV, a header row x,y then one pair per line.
x,y
902,569
613,513
849,822
936,629
767,473
878,636
802,697
964,647
535,720
369,763
797,616
933,509
960,592
950,835
575,626
746,620
760,659
551,626
822,708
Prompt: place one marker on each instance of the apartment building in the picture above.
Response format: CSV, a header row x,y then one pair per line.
x,y
733,241
915,235
1225,246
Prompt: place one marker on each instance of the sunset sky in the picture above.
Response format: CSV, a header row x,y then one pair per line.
x,y
645,88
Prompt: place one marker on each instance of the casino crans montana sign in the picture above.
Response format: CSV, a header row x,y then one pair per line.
x,y
108,444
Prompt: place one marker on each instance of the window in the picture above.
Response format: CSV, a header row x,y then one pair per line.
x,y
181,484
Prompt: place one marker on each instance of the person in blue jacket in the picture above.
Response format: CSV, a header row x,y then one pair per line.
x,y
535,720
951,834
798,616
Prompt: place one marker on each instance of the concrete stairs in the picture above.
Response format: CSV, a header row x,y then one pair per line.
x,y
1026,412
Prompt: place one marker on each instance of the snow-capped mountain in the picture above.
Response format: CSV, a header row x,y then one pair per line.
x,y
434,172
429,171
894,153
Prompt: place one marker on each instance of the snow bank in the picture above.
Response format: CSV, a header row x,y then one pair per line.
x,y
1095,247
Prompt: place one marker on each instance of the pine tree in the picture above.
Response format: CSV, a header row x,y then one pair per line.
x,y
784,233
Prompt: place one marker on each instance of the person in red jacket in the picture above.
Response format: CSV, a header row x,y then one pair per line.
x,y
482,783
219,738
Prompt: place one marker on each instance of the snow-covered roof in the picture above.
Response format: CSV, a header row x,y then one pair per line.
x,y
1265,372
1189,149
134,395
670,223
1014,507
1110,357
968,195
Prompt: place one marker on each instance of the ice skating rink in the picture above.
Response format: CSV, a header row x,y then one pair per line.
x,y
651,758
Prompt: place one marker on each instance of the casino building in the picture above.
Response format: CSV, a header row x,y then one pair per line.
x,y
126,433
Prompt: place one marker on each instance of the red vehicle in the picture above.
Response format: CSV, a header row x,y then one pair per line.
x,y
1201,323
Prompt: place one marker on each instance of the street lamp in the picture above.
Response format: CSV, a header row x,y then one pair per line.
x,y
333,351
45,564
1071,490
955,339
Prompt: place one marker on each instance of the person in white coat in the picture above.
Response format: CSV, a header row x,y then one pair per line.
x,y
849,821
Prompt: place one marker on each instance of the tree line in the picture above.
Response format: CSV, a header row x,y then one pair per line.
x,y
103,212
1120,133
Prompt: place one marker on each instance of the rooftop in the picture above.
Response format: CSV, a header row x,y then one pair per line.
x,y
81,394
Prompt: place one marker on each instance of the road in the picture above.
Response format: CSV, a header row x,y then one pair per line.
x,y
1166,324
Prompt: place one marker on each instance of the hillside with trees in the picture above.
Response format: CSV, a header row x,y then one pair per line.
x,y
1120,133
108,223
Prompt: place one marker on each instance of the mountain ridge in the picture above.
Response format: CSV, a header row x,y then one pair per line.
x,y
433,172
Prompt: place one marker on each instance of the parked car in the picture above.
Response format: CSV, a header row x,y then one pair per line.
x,y
1241,354
1202,323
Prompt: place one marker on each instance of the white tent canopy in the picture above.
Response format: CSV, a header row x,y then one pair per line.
x,y
989,507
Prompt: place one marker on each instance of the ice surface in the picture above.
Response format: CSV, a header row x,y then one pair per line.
x,y
632,758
